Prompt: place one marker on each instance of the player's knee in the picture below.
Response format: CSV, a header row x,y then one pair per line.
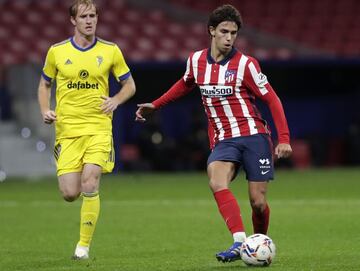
x,y
258,205
217,186
70,196
89,186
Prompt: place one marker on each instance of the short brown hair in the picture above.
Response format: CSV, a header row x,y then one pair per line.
x,y
225,13
73,9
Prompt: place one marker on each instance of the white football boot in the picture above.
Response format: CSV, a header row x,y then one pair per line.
x,y
81,253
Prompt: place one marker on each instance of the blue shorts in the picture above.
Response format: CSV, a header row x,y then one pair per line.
x,y
252,153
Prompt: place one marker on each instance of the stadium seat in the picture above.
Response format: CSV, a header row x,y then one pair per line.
x,y
301,156
312,24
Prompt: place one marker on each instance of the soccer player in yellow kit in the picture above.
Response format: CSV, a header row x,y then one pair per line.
x,y
83,115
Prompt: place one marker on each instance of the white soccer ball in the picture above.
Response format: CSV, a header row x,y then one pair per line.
x,y
258,250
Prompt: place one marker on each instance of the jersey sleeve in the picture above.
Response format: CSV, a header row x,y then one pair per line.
x,y
189,73
120,69
49,70
179,89
255,80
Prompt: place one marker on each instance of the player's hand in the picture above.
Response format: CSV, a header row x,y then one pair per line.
x,y
283,150
143,110
109,104
49,116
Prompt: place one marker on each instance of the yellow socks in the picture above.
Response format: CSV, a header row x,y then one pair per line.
x,y
89,214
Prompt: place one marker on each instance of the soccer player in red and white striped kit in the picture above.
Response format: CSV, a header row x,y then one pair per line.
x,y
229,82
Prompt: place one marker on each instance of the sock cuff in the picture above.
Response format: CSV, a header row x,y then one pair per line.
x,y
224,195
265,212
223,192
90,194
239,236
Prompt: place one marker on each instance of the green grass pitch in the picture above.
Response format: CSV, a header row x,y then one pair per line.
x,y
152,222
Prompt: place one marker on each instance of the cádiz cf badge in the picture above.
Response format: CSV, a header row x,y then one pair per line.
x,y
99,60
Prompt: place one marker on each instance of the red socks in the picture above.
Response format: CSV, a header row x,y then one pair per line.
x,y
261,220
230,210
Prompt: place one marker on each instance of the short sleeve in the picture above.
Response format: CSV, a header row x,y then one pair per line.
x,y
120,69
49,70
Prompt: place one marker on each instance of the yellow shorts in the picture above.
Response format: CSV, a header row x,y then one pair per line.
x,y
72,153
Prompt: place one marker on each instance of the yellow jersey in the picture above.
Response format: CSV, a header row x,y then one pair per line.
x,y
82,77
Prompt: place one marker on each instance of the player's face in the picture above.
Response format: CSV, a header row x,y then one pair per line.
x,y
86,20
224,35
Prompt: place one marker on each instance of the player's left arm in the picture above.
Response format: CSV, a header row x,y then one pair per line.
x,y
259,84
128,90
122,73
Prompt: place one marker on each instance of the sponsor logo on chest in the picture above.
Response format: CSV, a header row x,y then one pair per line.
x,y
216,91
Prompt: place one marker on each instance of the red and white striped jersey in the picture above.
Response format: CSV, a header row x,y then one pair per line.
x,y
228,89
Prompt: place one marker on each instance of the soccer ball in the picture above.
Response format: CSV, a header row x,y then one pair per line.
x,y
257,250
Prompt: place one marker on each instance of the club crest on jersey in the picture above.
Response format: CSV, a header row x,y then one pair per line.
x,y
229,76
100,60
216,91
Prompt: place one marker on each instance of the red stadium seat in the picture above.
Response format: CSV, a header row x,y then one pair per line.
x,y
312,24
301,156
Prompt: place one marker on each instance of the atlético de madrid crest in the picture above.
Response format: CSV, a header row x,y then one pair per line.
x,y
229,76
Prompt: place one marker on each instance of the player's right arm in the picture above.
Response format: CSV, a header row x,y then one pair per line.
x,y
179,89
44,90
44,94
257,82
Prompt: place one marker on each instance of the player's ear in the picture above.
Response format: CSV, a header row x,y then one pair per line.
x,y
212,31
72,20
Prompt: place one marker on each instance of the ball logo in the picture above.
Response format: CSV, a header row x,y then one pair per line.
x,y
83,74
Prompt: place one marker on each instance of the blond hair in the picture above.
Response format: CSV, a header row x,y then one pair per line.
x,y
73,9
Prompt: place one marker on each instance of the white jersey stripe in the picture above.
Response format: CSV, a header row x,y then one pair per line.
x,y
195,64
187,72
245,110
207,77
241,69
255,76
222,70
235,131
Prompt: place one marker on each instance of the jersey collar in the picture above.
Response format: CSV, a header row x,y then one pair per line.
x,y
82,49
222,62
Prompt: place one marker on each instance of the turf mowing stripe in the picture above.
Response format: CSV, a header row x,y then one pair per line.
x,y
169,202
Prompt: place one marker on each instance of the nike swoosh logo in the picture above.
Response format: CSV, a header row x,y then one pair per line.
x,y
264,172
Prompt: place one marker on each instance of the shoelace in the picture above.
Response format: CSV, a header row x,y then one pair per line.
x,y
234,249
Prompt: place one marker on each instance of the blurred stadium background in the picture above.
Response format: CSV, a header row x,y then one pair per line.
x,y
309,49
